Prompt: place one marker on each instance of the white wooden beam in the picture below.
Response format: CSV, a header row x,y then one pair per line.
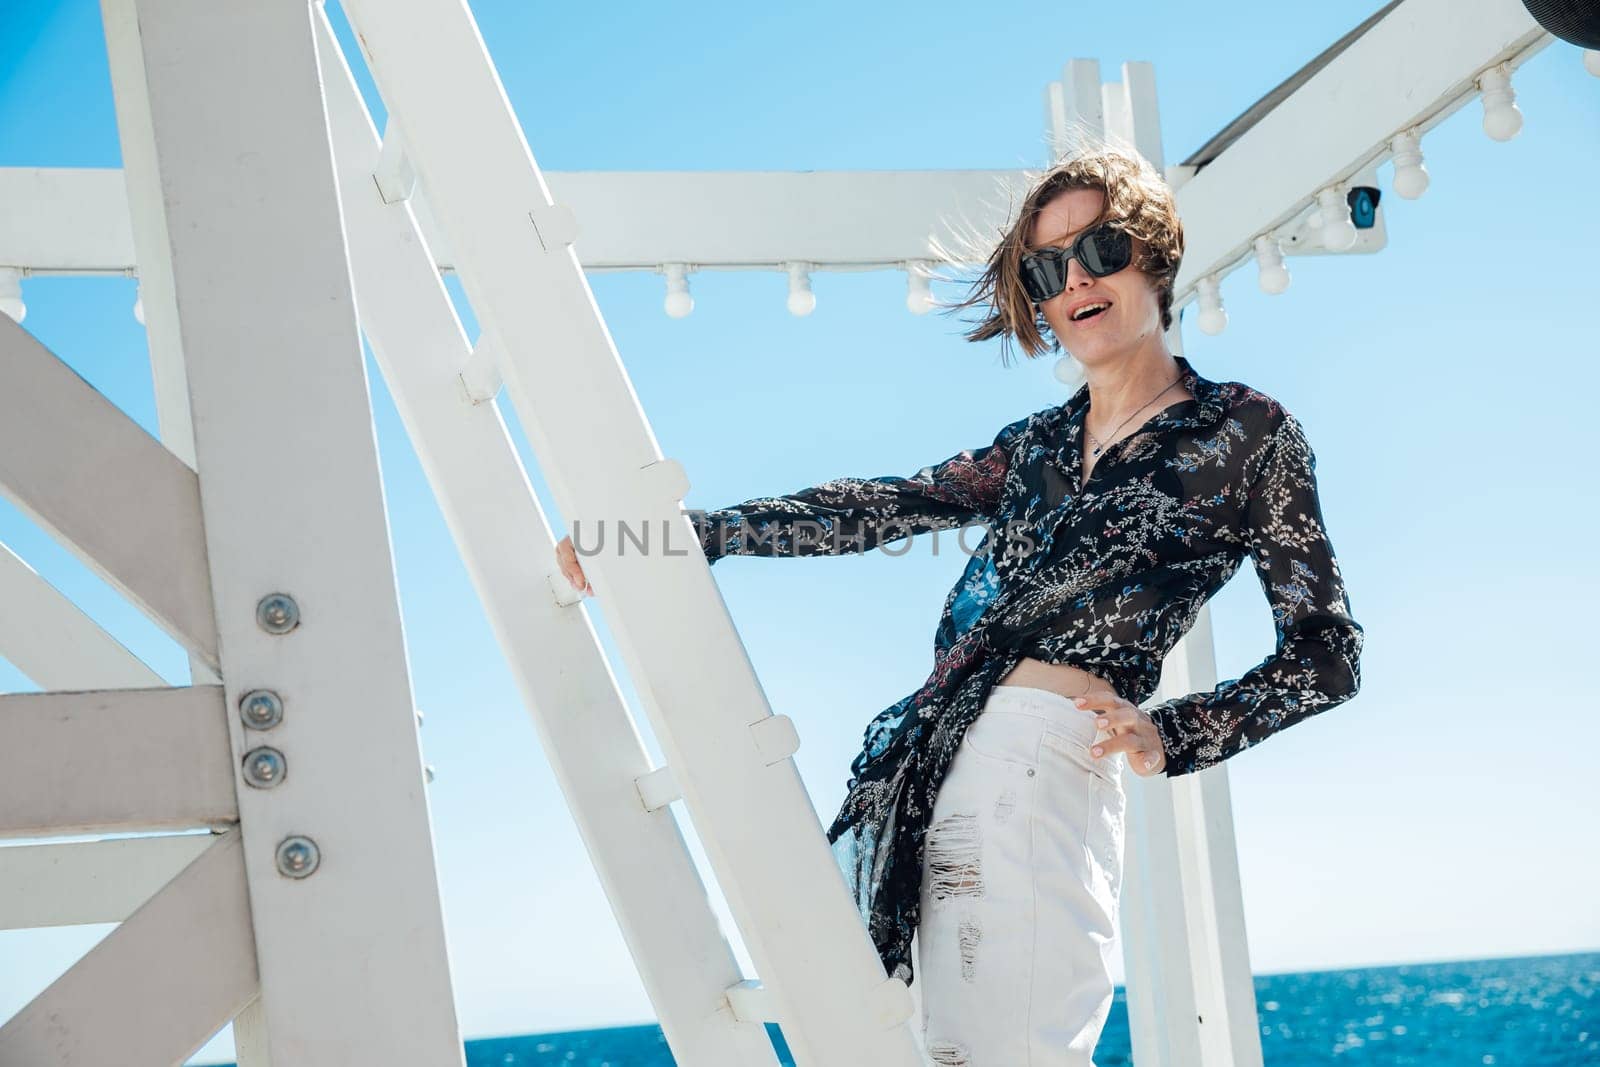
x,y
759,827
76,882
146,228
114,760
675,938
94,479
352,950
156,988
77,220
1191,998
49,638
631,220
1411,70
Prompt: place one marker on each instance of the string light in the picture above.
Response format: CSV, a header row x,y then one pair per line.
x,y
919,290
1337,228
1410,176
1213,317
678,302
1273,276
802,301
1501,116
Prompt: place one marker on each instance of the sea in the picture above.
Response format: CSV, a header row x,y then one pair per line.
x,y
1532,1011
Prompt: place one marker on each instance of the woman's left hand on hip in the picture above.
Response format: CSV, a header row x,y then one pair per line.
x,y
1132,731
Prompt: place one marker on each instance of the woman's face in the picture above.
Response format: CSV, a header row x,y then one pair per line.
x,y
1133,318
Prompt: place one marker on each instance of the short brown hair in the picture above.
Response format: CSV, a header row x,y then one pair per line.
x,y
1137,198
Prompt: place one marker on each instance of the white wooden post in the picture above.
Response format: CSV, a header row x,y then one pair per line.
x,y
147,218
1191,997
352,954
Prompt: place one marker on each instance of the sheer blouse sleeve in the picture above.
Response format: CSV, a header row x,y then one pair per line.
x,y
1316,664
848,515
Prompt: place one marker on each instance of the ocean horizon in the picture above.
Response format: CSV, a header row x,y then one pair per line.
x,y
1523,1011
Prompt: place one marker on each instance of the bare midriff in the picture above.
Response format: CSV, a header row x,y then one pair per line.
x,y
1061,678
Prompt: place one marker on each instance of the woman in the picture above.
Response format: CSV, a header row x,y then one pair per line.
x,y
984,812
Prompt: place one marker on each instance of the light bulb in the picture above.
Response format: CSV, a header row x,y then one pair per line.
x,y
1591,61
1501,116
1273,276
919,291
1213,318
1410,176
138,306
11,294
1338,232
678,302
802,301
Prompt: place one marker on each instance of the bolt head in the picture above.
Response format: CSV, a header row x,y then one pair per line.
x,y
298,856
264,767
261,709
277,613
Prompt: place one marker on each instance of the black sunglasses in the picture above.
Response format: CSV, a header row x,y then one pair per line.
x,y
1102,250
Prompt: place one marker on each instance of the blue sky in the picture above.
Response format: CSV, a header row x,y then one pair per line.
x,y
1447,393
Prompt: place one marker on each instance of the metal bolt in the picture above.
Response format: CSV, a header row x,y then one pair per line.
x,y
264,767
419,716
298,856
260,709
277,613
1030,772
428,772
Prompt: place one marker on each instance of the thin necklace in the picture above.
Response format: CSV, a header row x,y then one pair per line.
x,y
1098,447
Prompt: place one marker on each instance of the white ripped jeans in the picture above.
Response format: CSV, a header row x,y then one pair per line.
x,y
1021,872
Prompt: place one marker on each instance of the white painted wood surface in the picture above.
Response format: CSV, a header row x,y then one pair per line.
x,y
1191,994
76,882
353,961
114,760
54,643
145,226
761,832
156,988
631,220
589,738
104,487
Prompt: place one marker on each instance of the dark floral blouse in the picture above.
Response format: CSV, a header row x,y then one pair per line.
x,y
1106,579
